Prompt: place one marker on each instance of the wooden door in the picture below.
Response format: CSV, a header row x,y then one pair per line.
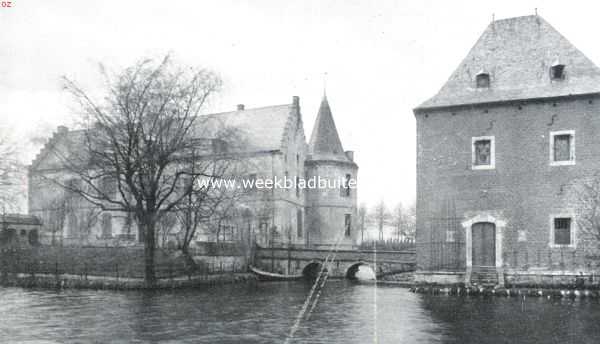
x,y
484,244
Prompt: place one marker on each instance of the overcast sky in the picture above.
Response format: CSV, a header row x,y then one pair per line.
x,y
382,59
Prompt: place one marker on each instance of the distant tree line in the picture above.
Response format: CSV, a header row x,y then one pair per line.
x,y
401,219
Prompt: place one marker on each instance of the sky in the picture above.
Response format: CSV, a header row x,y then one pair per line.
x,y
382,58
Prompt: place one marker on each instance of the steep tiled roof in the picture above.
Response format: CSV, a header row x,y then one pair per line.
x,y
518,53
324,141
261,129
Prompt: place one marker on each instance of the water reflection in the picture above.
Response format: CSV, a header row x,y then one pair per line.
x,y
263,313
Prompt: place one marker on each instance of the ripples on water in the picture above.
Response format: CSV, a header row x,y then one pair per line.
x,y
264,312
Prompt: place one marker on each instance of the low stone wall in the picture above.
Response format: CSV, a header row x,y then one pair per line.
x,y
221,263
118,262
439,277
65,281
505,292
552,280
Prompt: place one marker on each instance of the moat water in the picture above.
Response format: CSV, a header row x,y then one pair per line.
x,y
265,312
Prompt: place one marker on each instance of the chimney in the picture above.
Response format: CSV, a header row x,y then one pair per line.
x,y
61,129
350,155
240,107
296,101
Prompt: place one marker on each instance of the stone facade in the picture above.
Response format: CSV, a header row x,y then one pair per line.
x,y
490,161
276,147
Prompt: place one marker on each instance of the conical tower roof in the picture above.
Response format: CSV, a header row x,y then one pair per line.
x,y
517,54
324,141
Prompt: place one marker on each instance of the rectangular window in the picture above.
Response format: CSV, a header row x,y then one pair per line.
x,y
106,226
562,147
299,223
297,179
562,231
483,153
252,181
263,230
347,225
450,236
219,146
108,187
521,236
226,232
345,188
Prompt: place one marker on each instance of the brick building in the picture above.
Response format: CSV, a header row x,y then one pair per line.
x,y
501,149
274,145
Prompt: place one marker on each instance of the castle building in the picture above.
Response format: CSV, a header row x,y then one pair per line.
x,y
502,150
274,146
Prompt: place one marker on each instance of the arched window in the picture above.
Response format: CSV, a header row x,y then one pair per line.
x,y
482,80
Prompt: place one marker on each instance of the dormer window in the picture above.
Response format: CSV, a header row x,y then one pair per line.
x,y
482,80
557,71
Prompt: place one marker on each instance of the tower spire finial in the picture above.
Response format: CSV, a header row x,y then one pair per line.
x,y
325,85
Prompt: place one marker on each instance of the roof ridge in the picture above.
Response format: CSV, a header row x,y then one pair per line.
x,y
516,18
249,109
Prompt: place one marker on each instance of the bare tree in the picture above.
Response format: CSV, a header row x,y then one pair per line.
x,y
362,220
54,216
11,174
205,202
140,138
88,218
588,208
165,227
398,220
381,217
411,222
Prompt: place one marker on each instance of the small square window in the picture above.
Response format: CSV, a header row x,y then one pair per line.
x,y
483,152
522,236
562,147
562,231
557,72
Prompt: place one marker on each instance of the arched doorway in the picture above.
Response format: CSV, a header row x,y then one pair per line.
x,y
483,245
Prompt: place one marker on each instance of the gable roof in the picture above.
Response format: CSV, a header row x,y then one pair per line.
x,y
262,129
258,130
518,53
324,141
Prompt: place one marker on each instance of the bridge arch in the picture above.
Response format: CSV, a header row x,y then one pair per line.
x,y
353,269
312,269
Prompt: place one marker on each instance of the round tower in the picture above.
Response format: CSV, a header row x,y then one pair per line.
x,y
330,205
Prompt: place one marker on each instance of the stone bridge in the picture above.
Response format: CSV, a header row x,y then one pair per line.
x,y
308,261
